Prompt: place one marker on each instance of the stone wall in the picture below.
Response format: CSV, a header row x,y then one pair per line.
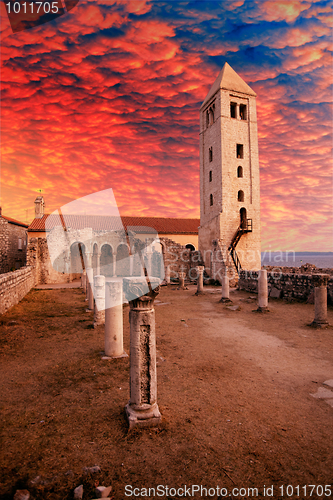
x,y
12,255
290,285
38,257
14,286
180,259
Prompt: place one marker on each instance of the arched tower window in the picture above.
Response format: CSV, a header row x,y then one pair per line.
x,y
243,220
211,200
240,171
240,195
233,108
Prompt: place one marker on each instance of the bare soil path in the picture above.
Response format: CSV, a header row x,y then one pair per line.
x,y
234,389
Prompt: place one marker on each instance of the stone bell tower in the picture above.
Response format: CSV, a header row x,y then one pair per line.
x,y
229,231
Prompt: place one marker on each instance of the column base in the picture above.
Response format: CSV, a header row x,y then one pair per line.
x,y
261,310
106,356
316,324
146,416
98,323
182,288
199,293
225,300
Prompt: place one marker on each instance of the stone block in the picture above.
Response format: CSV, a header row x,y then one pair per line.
x,y
275,293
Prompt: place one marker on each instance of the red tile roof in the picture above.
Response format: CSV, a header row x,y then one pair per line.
x,y
103,223
14,221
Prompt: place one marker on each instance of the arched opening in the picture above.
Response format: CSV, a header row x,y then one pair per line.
x,y
77,259
190,247
240,195
240,171
107,260
123,261
243,218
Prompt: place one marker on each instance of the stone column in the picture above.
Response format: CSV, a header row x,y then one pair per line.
x,y
182,281
99,294
225,288
200,272
114,263
148,253
98,260
90,292
114,319
262,291
320,300
131,258
167,275
142,409
84,281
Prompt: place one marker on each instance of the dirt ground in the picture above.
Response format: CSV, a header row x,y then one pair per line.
x,y
234,390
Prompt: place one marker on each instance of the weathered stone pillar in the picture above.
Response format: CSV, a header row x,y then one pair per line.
x,y
167,275
114,263
182,281
200,273
84,280
320,300
99,294
225,288
142,409
131,258
98,267
90,291
262,291
114,319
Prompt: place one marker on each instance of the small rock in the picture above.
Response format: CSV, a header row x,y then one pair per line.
x,y
78,492
22,495
92,470
103,491
275,293
13,323
36,480
233,308
329,383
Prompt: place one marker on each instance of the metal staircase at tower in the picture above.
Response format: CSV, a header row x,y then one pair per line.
x,y
244,228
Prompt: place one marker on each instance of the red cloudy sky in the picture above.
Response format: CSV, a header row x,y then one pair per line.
x,y
108,96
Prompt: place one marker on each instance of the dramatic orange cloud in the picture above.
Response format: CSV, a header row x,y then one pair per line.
x,y
108,96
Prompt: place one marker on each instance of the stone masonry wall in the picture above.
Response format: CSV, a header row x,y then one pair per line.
x,y
11,256
4,238
289,286
38,256
180,259
14,286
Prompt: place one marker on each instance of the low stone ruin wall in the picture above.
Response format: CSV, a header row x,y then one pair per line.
x,y
289,286
14,286
180,259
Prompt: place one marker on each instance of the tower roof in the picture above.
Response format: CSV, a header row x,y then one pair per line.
x,y
228,79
